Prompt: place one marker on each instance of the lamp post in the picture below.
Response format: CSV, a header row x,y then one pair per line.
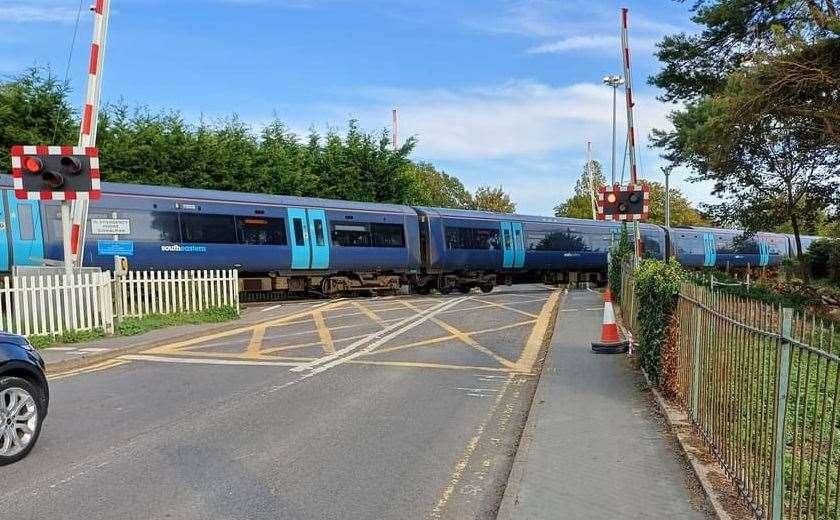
x,y
613,81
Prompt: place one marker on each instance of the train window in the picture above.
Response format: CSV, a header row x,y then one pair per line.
x,y
351,235
26,221
508,244
319,233
472,238
261,231
208,229
387,235
298,225
557,241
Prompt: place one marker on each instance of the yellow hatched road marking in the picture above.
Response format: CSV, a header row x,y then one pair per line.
x,y
370,314
413,364
323,332
166,349
255,344
442,339
462,336
506,307
111,363
535,340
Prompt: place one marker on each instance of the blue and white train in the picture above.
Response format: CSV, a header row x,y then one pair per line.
x,y
296,244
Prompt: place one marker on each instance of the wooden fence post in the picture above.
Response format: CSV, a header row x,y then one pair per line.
x,y
782,373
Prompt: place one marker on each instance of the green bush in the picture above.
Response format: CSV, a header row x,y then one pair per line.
x,y
618,255
823,259
657,287
70,336
134,326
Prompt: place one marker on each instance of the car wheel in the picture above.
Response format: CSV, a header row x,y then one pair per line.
x,y
445,290
20,418
422,289
486,288
464,289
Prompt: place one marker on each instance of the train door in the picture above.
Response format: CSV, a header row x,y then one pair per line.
x,y
507,244
709,250
26,233
763,253
319,239
299,234
4,238
518,245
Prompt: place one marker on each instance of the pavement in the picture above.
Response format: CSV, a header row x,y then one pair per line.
x,y
403,407
594,446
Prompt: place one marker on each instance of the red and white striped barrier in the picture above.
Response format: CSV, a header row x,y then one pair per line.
x,y
90,114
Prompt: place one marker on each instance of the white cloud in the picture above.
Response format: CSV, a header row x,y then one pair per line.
x,y
508,120
596,41
22,13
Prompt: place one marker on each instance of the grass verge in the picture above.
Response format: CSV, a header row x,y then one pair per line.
x,y
135,326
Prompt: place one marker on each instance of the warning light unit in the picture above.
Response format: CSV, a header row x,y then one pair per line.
x,y
627,203
55,172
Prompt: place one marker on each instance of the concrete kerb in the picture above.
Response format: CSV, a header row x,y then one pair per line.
x,y
520,460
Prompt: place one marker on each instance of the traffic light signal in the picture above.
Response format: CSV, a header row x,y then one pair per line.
x,y
55,172
624,203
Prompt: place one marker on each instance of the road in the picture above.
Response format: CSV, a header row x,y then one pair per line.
x,y
401,407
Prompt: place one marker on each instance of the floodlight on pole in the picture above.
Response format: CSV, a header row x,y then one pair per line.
x,y
613,81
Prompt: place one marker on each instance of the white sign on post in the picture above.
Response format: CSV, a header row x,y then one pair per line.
x,y
110,226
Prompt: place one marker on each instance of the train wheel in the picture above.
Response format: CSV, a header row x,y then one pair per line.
x,y
486,288
445,290
464,289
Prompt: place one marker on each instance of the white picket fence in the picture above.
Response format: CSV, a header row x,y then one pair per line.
x,y
52,304
46,304
165,292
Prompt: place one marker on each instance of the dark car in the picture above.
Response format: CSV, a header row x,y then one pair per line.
x,y
24,397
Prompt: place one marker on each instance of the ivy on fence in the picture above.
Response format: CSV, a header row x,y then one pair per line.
x,y
618,255
657,287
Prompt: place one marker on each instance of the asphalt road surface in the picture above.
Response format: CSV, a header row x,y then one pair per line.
x,y
401,407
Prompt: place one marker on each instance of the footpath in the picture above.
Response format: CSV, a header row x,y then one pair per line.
x,y
594,445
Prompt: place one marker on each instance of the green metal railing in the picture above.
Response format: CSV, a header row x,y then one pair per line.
x,y
761,383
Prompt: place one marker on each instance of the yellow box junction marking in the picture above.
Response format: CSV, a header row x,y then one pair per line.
x,y
535,340
111,363
465,338
323,332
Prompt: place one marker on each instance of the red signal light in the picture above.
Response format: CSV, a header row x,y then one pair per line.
x,y
611,198
33,165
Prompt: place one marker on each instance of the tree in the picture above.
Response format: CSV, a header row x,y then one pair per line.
x,y
495,199
760,96
579,205
34,110
437,189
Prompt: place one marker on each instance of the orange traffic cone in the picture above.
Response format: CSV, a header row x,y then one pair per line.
x,y
611,342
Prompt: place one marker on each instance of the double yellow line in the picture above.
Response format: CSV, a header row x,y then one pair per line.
x,y
105,365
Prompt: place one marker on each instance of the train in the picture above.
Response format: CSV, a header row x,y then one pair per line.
x,y
287,244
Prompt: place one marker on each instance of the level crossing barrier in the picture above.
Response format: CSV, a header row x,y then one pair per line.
x,y
761,383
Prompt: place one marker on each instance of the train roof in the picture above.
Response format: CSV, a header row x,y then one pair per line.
x,y
489,215
116,188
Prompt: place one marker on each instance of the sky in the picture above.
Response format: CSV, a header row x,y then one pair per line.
x,y
499,92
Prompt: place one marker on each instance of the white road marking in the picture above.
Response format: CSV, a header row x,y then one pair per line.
x,y
60,349
208,361
393,334
477,389
271,308
400,326
93,349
